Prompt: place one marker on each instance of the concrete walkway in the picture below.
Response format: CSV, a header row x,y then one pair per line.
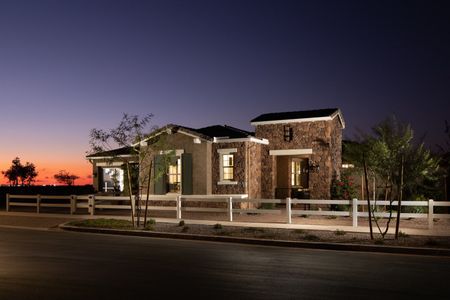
x,y
47,221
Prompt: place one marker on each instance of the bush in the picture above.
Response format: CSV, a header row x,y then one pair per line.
x,y
218,226
181,223
402,234
150,222
339,232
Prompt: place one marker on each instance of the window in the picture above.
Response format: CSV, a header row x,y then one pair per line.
x,y
174,176
113,179
299,172
287,133
227,165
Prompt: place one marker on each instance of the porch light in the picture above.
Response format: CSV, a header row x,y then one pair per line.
x,y
313,166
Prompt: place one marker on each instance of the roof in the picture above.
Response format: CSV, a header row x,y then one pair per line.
x,y
306,115
206,133
222,131
111,153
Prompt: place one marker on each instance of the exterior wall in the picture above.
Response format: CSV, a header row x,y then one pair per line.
x,y
239,169
201,160
323,137
247,169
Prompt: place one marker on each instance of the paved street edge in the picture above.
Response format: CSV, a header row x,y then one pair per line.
x,y
264,242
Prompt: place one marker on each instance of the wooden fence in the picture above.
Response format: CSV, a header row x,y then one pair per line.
x,y
354,207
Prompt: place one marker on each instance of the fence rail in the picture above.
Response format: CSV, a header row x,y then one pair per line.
x,y
93,202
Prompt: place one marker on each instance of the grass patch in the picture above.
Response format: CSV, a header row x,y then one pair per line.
x,y
304,216
339,232
331,217
218,226
104,223
379,242
311,237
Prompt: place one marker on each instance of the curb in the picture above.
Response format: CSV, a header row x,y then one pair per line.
x,y
253,241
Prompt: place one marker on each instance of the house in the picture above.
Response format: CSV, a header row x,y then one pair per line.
x,y
290,154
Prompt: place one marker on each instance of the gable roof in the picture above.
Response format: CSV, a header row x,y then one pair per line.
x,y
225,131
124,151
299,116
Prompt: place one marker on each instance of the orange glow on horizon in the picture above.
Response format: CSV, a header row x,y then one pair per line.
x,y
47,170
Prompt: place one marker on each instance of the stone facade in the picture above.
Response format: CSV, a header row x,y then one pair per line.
x,y
247,169
323,137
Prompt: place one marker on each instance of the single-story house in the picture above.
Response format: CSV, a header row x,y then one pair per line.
x,y
290,154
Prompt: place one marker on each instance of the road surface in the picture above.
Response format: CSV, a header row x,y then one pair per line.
x,y
69,265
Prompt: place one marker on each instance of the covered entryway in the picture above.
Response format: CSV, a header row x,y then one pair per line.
x,y
292,173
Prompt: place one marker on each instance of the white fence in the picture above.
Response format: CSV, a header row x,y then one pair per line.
x,y
355,206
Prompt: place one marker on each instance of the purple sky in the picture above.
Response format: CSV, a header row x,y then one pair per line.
x,y
69,66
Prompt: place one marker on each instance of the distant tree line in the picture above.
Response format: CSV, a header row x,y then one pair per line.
x,y
20,174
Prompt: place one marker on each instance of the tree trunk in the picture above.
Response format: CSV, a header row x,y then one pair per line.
x,y
130,190
399,205
368,197
148,191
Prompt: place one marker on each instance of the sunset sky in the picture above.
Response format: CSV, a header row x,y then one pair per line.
x,y
69,66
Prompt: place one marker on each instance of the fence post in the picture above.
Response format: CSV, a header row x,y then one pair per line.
x,y
355,212
178,207
91,204
38,203
289,210
230,209
430,214
7,202
73,204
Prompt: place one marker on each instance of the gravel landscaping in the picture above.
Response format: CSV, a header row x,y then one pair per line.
x,y
275,234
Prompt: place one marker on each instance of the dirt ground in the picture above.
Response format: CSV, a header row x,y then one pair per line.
x,y
305,235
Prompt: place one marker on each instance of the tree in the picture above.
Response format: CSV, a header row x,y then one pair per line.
x,y
20,174
130,134
65,177
390,155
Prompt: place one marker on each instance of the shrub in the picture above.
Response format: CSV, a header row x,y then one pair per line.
x,y
150,222
339,232
181,223
218,226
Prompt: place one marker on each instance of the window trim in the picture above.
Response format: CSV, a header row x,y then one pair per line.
x,y
222,152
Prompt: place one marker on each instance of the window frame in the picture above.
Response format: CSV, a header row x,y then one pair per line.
x,y
222,153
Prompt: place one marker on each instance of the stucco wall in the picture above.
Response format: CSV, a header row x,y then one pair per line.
x,y
201,160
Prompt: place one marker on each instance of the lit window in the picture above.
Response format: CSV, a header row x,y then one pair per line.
x,y
228,166
113,179
299,172
174,176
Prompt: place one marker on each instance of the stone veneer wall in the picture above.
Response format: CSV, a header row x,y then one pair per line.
x,y
239,169
324,137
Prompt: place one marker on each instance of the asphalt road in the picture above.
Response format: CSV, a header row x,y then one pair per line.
x,y
70,265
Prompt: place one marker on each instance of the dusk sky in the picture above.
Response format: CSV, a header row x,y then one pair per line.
x,y
69,66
